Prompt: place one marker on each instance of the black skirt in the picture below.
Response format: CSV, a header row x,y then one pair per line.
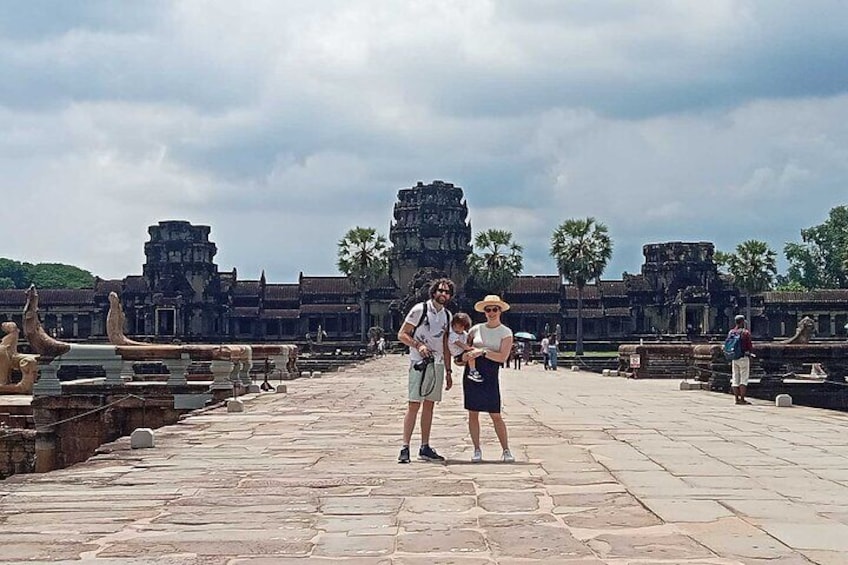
x,y
485,396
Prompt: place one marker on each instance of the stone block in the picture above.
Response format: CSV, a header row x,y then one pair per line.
x,y
685,385
141,438
191,401
235,405
253,388
304,374
783,401
281,388
316,374
575,368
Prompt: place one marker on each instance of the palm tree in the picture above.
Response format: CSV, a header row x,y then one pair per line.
x,y
754,267
498,261
582,248
363,258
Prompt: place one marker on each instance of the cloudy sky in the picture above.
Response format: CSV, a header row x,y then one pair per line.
x,y
281,124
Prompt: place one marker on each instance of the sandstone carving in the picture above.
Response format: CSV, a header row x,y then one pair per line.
x,y
804,332
34,331
10,359
115,323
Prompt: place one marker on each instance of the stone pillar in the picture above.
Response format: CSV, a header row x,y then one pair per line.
x,y
681,319
832,324
706,324
113,370
177,369
244,368
48,384
221,375
127,370
76,326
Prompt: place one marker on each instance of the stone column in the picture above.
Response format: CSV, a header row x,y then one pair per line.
x,y
113,370
76,326
177,369
48,384
221,375
832,324
705,330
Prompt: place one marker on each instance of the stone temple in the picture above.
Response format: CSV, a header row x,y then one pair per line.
x,y
183,295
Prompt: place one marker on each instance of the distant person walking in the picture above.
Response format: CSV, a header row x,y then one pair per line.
x,y
492,343
543,349
552,351
739,347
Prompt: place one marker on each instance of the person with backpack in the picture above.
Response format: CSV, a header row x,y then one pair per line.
x,y
738,349
425,330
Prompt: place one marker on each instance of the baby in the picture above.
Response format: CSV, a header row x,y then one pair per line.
x,y
458,344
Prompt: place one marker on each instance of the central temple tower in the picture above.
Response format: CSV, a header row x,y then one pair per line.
x,y
430,235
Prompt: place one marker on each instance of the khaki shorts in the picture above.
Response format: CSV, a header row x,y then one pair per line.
x,y
741,370
432,385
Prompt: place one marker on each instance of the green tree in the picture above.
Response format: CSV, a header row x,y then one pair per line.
x,y
15,271
496,261
362,257
821,260
754,268
6,283
582,248
57,275
44,275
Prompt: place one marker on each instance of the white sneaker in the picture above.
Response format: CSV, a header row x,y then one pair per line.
x,y
477,457
507,456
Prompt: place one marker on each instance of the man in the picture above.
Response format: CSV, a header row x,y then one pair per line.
x,y
425,331
741,367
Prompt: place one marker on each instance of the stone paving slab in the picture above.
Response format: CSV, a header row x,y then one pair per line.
x,y
608,471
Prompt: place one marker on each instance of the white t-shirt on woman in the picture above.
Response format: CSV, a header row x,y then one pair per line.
x,y
489,338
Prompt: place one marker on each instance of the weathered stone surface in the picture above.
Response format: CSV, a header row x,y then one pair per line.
x,y
341,545
452,541
535,542
312,476
602,511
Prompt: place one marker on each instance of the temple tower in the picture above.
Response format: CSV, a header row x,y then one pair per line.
x,y
430,235
183,280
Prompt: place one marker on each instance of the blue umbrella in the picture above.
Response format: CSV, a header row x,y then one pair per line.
x,y
525,335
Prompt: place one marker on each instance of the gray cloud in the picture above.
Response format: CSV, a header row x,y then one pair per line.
x,y
283,124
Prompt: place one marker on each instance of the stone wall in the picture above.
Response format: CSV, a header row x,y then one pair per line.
x,y
17,452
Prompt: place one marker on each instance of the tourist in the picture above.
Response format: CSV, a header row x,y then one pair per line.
x,y
552,352
381,346
517,355
425,331
492,343
741,367
543,349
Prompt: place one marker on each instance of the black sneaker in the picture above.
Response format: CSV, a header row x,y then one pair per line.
x,y
427,453
404,455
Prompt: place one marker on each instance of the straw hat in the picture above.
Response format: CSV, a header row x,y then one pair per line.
x,y
491,300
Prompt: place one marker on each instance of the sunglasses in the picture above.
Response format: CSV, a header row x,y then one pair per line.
x,y
444,290
489,309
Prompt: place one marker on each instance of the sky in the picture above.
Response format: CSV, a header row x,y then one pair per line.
x,y
284,123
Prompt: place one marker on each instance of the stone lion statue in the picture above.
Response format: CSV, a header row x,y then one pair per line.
x,y
804,332
10,359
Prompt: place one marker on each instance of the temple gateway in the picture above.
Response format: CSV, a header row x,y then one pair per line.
x,y
182,295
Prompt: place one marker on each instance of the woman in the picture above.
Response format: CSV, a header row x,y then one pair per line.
x,y
492,342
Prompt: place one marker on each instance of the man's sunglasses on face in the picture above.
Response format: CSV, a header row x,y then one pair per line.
x,y
444,290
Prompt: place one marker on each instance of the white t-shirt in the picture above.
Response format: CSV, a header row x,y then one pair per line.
x,y
454,337
543,345
430,332
489,338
